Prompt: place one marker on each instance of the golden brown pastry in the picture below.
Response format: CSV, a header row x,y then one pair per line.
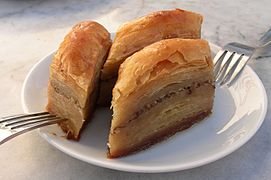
x,y
75,73
155,98
135,35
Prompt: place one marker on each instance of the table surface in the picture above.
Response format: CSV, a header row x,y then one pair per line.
x,y
31,29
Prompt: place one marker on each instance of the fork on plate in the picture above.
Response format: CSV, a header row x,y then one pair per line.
x,y
15,125
230,61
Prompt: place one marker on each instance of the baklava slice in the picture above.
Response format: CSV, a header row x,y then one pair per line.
x,y
135,35
164,88
75,73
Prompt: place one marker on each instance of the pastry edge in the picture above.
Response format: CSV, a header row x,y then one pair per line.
x,y
161,136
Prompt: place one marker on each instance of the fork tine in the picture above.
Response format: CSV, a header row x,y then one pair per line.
x,y
27,119
10,118
222,63
237,71
221,74
232,66
37,121
218,60
218,55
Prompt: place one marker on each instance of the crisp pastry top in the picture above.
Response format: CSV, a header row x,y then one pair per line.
x,y
164,57
136,34
76,58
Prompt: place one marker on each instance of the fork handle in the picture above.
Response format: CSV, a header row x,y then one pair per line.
x,y
265,38
263,51
264,46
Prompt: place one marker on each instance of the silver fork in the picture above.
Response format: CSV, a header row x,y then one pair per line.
x,y
15,125
231,60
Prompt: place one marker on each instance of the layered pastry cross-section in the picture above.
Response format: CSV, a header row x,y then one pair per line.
x,y
75,73
164,88
135,35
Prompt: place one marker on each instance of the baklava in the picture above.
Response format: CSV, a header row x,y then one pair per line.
x,y
75,73
135,35
162,89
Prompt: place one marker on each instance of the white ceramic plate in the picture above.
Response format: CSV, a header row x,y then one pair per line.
x,y
238,113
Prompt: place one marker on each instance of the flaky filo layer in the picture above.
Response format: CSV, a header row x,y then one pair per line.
x,y
167,115
135,35
156,85
75,73
156,66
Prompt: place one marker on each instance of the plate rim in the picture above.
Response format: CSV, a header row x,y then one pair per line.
x,y
169,168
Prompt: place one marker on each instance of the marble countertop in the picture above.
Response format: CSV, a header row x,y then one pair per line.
x,y
31,29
